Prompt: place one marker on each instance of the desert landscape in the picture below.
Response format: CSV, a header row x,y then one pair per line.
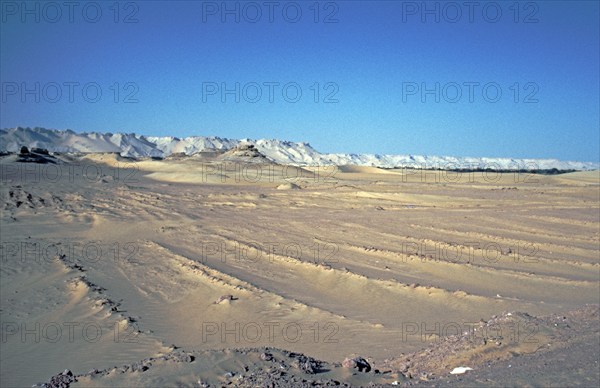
x,y
299,193
228,269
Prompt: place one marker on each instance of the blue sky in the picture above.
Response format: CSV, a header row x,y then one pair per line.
x,y
375,77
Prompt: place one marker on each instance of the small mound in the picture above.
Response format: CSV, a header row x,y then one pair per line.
x,y
245,153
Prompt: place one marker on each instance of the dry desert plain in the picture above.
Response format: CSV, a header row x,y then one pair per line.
x,y
212,270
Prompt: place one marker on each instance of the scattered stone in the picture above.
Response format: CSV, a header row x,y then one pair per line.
x,y
183,357
460,370
356,363
403,368
304,363
139,367
227,297
61,380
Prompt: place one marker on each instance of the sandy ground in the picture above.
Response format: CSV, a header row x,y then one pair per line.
x,y
108,262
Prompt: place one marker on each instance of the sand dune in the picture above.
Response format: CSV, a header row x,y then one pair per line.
x,y
202,254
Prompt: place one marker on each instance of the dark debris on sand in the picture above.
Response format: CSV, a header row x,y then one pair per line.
x,y
568,356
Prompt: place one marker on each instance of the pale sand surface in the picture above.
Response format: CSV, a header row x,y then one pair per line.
x,y
356,261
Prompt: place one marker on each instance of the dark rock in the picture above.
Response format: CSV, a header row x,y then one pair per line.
x,y
28,157
61,380
356,363
184,357
306,364
42,151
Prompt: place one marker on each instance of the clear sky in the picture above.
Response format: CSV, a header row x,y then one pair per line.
x,y
514,79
